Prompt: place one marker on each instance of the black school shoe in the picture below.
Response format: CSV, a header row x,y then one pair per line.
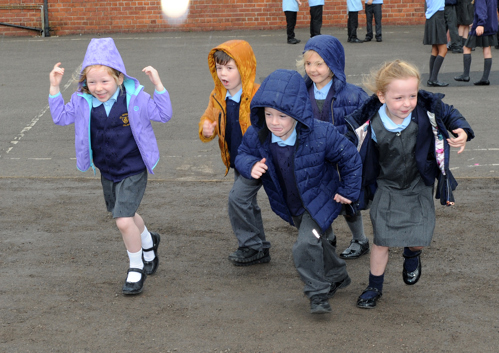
x,y
462,78
247,257
293,41
411,278
150,267
132,288
369,303
355,40
319,304
482,83
436,83
345,282
349,253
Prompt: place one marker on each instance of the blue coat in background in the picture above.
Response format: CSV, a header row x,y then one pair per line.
x,y
343,98
319,148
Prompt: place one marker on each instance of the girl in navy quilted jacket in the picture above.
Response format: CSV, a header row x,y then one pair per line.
x,y
296,157
402,134
333,98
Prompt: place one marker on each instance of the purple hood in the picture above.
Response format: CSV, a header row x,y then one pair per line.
x,y
103,51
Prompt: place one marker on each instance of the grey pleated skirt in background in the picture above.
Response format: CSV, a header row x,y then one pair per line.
x,y
403,217
434,29
465,11
481,41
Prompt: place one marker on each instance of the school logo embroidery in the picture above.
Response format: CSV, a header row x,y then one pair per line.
x,y
124,118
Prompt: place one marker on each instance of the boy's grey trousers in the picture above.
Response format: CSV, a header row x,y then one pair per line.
x,y
315,259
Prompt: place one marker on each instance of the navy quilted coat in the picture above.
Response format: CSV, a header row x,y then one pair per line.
x,y
345,98
318,150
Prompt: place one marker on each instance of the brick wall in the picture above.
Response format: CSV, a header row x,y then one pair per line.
x,y
123,16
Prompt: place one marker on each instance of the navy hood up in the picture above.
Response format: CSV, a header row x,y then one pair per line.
x,y
285,91
331,51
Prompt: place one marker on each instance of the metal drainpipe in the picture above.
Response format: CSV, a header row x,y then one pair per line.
x,y
46,31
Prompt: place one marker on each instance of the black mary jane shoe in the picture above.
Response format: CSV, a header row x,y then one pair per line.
x,y
482,83
150,267
349,253
369,303
462,78
132,288
411,278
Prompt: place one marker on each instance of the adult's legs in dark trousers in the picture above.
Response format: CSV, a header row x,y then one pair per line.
x,y
290,23
315,20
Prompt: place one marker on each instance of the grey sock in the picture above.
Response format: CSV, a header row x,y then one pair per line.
x,y
432,62
436,68
356,227
487,64
467,64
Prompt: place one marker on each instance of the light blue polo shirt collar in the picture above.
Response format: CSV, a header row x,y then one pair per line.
x,y
389,124
107,104
236,98
321,94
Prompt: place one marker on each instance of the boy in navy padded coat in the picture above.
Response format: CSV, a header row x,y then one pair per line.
x,y
295,156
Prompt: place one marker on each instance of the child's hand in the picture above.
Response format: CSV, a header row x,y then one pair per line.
x,y
209,128
299,2
259,169
479,30
55,78
369,2
154,77
340,199
459,141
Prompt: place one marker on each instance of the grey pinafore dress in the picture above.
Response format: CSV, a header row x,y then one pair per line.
x,y
402,212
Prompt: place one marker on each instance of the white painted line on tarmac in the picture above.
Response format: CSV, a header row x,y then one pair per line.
x,y
33,122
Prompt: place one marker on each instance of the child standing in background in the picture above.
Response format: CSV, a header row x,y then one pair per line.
x,y
483,34
316,7
113,132
290,8
435,34
353,7
373,7
465,11
233,68
332,99
404,146
295,157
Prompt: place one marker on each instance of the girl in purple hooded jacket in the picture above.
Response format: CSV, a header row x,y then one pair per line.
x,y
113,132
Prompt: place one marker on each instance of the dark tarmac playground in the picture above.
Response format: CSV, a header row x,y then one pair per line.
x,y
62,261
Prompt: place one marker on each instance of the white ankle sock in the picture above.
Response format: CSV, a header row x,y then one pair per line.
x,y
135,262
147,243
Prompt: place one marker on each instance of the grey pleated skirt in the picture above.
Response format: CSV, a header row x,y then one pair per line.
x,y
434,30
481,41
403,217
465,11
